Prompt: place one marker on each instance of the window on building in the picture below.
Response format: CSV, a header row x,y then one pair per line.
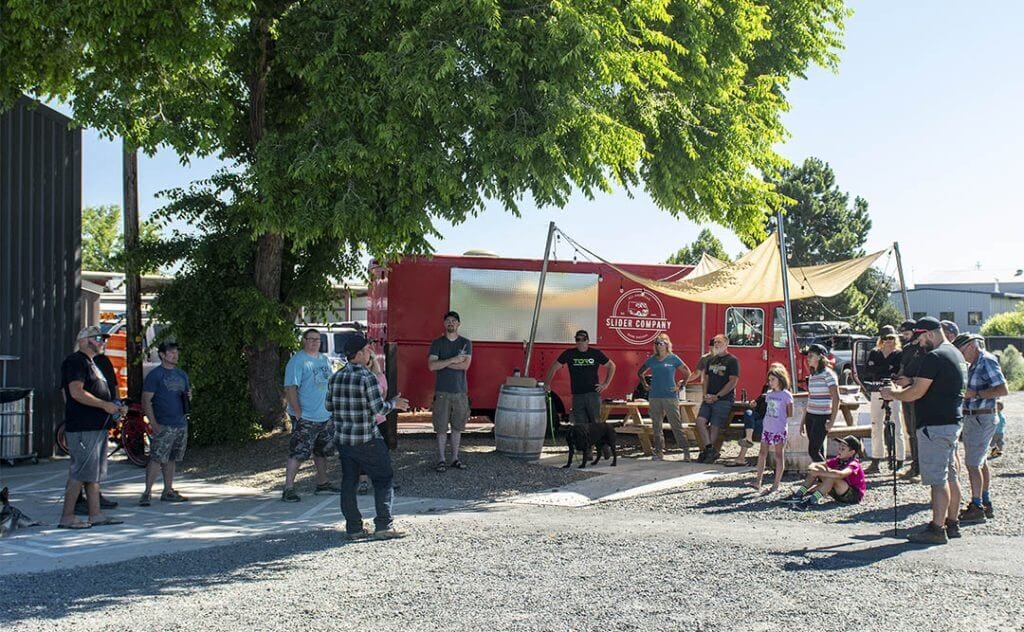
x,y
744,326
919,315
951,316
975,318
780,330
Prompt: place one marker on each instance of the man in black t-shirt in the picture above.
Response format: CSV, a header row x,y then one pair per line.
x,y
88,407
937,390
721,374
583,361
910,358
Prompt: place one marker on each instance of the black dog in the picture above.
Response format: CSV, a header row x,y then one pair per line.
x,y
589,439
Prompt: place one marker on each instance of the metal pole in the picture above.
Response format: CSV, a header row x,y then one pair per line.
x,y
903,283
540,295
781,233
703,329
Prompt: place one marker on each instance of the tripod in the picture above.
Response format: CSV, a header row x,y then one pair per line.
x,y
890,449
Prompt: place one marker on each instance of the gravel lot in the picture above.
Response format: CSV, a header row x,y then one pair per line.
x,y
730,497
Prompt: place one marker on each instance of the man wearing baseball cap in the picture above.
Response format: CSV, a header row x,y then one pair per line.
x,y
354,400
583,361
985,384
950,330
937,392
88,407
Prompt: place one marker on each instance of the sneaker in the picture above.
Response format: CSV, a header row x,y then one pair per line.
x,y
989,513
973,514
873,468
813,500
364,488
358,535
289,495
712,457
172,496
326,488
952,528
912,473
656,457
144,499
388,534
795,498
930,534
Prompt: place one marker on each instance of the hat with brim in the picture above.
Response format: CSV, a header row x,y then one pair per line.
x,y
963,339
816,348
887,331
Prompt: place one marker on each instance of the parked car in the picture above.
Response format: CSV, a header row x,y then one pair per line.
x,y
810,332
840,348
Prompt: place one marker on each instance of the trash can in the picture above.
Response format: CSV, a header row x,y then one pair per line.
x,y
16,431
521,421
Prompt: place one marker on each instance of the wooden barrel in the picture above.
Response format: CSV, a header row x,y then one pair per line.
x,y
520,421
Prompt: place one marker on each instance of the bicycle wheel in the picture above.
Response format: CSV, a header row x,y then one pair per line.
x,y
135,440
61,440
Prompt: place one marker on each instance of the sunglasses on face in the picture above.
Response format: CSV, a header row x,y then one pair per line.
x,y
659,344
99,338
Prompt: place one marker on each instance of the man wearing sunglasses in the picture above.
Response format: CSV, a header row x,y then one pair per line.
x,y
583,361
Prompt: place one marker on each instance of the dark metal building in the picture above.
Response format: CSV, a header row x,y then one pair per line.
x,y
40,253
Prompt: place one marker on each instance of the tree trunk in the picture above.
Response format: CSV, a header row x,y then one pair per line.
x,y
263,356
132,279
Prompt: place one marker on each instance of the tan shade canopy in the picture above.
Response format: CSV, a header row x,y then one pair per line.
x,y
757,278
706,264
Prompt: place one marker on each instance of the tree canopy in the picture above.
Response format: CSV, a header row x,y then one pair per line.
x,y
102,245
706,243
354,127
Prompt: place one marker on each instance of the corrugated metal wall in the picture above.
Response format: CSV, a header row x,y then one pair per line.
x,y
40,253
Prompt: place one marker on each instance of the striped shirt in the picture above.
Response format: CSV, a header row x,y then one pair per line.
x,y
354,400
984,374
819,395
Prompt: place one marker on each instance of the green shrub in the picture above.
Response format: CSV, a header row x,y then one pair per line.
x,y
1005,324
1012,363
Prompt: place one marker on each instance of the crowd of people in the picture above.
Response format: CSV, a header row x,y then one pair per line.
x,y
930,387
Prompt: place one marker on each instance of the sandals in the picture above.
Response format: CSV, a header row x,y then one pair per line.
x,y
75,525
458,465
441,467
106,523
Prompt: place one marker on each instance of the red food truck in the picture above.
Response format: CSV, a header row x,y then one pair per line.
x,y
495,298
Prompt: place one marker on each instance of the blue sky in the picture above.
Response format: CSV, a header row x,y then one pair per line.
x,y
923,120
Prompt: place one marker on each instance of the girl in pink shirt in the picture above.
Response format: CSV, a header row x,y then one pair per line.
x,y
773,435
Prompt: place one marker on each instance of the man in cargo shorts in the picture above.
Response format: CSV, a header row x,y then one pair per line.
x,y
722,372
449,358
166,392
985,383
937,390
305,389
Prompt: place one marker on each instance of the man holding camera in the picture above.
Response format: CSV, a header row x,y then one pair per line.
x,y
985,383
910,357
937,391
166,393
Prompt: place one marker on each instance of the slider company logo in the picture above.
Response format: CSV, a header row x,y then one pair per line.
x,y
638,317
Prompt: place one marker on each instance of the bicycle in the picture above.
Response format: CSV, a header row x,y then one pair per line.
x,y
129,433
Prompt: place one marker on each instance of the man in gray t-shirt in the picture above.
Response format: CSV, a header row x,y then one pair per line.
x,y
449,358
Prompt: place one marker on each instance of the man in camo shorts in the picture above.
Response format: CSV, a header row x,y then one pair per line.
x,y
305,389
166,392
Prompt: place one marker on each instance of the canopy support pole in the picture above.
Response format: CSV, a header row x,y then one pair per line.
x,y
785,294
903,283
540,295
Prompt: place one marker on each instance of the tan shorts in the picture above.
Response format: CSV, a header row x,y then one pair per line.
x,y
450,409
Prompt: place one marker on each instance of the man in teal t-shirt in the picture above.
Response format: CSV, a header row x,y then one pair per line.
x,y
305,389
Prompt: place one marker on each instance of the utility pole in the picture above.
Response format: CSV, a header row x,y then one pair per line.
x,y
903,283
132,280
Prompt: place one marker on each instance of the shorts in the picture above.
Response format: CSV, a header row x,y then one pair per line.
x,y
850,497
718,414
311,438
977,435
773,438
936,447
450,409
88,452
168,444
586,408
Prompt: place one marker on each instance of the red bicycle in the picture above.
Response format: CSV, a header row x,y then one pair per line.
x,y
130,433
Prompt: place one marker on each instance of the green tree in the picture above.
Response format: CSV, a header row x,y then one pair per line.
x,y
706,243
1005,324
102,243
824,225
354,127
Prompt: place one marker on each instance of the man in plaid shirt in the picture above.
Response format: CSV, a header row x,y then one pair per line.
x,y
985,383
354,399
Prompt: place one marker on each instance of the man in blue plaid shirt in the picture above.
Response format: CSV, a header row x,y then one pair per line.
x,y
354,399
985,383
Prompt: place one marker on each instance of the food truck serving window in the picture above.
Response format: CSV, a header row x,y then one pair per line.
x,y
744,326
780,330
497,305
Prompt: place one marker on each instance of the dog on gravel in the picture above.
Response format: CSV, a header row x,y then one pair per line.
x,y
591,439
12,518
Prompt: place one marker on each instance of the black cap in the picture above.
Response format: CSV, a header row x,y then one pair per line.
x,y
816,348
928,323
950,327
452,314
164,347
886,330
355,343
851,442
908,325
582,333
